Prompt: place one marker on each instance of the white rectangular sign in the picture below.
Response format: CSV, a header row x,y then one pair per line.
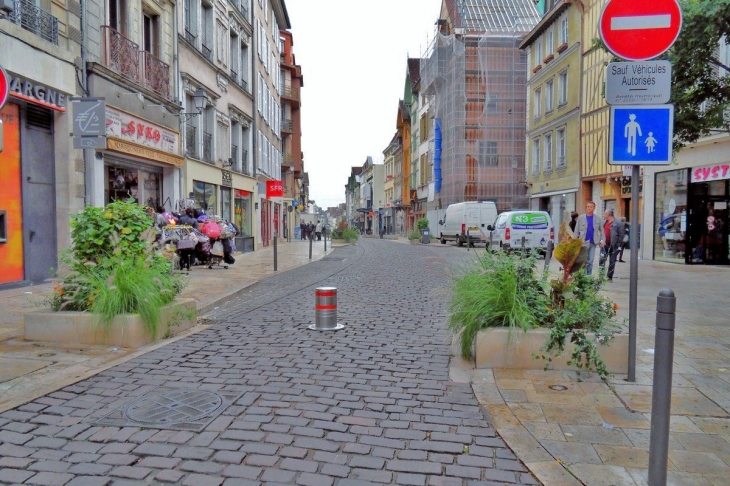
x,y
638,83
129,128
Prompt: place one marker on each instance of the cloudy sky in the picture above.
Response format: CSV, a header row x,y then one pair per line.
x,y
353,55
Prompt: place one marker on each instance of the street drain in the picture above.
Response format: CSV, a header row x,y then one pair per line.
x,y
558,387
172,408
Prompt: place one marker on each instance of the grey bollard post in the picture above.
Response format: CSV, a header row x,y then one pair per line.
x,y
276,260
325,310
324,233
310,246
661,393
549,254
468,240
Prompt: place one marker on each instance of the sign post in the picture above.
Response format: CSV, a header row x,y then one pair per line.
x,y
639,133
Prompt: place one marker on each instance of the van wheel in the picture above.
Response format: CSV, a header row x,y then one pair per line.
x,y
459,243
443,240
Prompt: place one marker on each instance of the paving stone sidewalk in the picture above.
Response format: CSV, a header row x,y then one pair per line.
x,y
258,399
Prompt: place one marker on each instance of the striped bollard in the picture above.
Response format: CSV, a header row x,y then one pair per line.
x,y
325,310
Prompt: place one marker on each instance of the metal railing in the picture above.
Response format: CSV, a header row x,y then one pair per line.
x,y
190,142
190,37
287,125
244,162
208,147
234,157
156,74
121,54
234,76
290,92
207,52
34,19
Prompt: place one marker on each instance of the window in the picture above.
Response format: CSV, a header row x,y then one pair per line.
x,y
424,127
536,155
538,52
191,21
260,99
537,104
234,56
422,169
488,154
117,15
550,47
549,90
563,39
205,196
150,25
561,149
221,43
222,143
548,152
245,79
206,28
562,88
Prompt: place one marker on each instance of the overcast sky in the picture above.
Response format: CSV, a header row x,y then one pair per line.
x,y
353,55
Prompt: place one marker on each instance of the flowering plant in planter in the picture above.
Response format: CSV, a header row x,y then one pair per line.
x,y
506,290
114,267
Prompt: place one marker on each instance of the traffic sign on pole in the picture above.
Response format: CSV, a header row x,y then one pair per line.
x,y
641,134
640,30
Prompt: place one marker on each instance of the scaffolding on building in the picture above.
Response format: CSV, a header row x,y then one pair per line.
x,y
475,79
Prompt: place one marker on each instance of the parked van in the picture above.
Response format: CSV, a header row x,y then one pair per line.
x,y
511,226
471,216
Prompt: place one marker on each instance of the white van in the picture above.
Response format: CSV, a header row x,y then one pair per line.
x,y
471,216
511,226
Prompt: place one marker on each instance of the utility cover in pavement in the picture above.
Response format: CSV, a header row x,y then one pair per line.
x,y
172,408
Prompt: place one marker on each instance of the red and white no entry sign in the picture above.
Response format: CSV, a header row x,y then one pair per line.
x,y
639,30
4,87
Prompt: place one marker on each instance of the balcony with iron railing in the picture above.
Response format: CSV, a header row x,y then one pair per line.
x,y
208,148
290,92
207,52
287,125
34,19
189,36
125,58
190,142
234,159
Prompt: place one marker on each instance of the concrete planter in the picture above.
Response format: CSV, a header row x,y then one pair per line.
x,y
415,242
498,348
126,330
339,242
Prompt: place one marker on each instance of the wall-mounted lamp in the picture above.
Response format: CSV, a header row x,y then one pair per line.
x,y
199,100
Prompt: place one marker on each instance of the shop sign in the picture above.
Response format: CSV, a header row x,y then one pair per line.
x,y
144,152
4,86
240,193
708,173
227,178
130,128
274,189
36,93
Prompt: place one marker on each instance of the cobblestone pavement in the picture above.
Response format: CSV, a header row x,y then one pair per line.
x,y
371,404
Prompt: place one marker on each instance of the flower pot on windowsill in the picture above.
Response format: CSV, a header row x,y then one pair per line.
x,y
548,58
537,68
562,47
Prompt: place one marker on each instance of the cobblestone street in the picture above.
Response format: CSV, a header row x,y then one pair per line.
x,y
258,398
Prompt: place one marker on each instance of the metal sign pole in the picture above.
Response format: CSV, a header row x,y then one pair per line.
x,y
634,282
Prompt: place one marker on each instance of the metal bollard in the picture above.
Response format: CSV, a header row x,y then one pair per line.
x,y
661,393
468,240
310,246
324,233
523,245
549,254
325,310
276,261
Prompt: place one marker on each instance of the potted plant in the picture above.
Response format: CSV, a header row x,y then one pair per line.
x,y
114,286
414,237
506,315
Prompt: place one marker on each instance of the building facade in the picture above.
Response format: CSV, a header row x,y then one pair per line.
x,y
41,175
553,121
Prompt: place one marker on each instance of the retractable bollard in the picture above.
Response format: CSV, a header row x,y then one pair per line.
x,y
549,254
276,255
310,246
661,393
325,310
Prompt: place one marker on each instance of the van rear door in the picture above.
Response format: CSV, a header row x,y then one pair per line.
x,y
472,217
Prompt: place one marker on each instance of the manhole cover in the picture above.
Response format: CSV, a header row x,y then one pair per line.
x,y
172,408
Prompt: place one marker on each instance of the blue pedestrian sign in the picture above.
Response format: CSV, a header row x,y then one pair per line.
x,y
641,134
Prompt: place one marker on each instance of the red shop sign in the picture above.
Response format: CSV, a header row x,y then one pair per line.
x,y
274,189
711,173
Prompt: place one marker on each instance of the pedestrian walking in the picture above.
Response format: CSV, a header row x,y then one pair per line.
x,y
318,230
625,240
589,227
615,231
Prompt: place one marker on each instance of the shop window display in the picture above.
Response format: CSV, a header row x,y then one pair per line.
x,y
242,209
124,183
205,196
670,216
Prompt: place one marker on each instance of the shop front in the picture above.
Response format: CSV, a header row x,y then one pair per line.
x,y
31,163
141,161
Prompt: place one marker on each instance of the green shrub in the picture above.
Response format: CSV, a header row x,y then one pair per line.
x,y
337,234
500,290
414,235
350,235
422,224
114,267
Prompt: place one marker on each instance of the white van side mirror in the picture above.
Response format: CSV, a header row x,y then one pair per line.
x,y
441,222
490,227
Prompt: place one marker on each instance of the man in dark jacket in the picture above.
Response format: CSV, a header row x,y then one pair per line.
x,y
614,239
188,218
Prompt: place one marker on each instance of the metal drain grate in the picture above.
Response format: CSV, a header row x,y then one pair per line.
x,y
172,408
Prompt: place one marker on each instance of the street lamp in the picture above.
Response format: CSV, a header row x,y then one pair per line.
x,y
199,100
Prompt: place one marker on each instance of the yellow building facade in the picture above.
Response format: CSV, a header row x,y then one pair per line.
x,y
553,147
